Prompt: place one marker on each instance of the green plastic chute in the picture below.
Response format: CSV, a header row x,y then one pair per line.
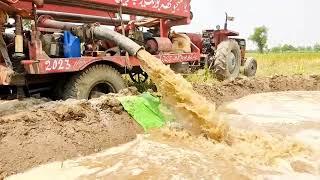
x,y
146,109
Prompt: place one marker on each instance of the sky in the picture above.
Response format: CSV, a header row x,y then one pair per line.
x,y
295,22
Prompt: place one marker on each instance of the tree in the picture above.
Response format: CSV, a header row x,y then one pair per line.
x,y
288,48
260,37
316,47
276,49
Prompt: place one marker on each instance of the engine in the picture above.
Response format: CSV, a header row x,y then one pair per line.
x,y
52,44
207,42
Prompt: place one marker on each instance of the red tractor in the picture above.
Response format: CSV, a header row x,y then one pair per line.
x,y
223,53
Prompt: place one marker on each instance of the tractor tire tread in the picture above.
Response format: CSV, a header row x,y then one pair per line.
x,y
78,81
220,64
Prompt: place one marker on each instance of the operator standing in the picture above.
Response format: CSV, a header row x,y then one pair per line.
x,y
3,47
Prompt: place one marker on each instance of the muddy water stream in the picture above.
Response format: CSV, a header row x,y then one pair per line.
x,y
191,109
206,148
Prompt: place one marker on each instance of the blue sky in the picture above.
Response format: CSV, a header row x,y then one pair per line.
x,y
295,22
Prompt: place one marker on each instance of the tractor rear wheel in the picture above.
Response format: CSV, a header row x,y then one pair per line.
x,y
227,60
95,80
250,67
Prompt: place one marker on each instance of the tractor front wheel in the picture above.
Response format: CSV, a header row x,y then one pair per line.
x,y
250,67
227,60
95,80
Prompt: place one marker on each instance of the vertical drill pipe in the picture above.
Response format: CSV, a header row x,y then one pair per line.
x,y
19,36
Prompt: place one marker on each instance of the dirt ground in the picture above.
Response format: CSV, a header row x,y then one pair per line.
x,y
33,131
55,131
228,91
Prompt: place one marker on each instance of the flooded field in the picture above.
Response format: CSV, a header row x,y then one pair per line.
x,y
254,149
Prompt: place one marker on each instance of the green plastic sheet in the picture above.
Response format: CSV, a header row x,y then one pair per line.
x,y
145,109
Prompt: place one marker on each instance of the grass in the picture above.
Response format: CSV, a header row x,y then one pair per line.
x,y
201,76
287,63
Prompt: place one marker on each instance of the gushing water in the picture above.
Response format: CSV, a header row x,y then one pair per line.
x,y
189,107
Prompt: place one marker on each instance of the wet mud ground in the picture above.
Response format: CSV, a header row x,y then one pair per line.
x,y
33,131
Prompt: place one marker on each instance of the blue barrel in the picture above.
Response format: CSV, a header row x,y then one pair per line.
x,y
71,45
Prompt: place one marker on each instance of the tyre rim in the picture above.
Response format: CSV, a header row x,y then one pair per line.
x,y
139,77
101,88
253,66
231,62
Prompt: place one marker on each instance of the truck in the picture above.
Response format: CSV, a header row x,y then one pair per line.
x,y
58,48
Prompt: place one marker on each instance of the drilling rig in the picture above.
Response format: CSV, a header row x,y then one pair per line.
x,y
71,48
65,52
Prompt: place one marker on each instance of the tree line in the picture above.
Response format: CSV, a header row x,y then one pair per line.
x,y
260,38
291,48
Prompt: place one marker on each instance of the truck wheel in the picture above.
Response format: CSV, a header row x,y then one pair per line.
x,y
181,68
227,60
95,80
250,67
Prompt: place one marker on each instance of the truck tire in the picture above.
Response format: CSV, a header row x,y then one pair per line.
x,y
227,60
250,67
181,68
97,79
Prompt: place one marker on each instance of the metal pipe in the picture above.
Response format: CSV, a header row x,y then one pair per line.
x,y
37,2
7,8
49,22
81,18
104,33
19,37
92,32
11,1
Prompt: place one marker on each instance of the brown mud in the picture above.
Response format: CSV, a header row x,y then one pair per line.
x,y
55,131
230,90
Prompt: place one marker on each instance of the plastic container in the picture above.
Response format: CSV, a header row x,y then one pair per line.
x,y
71,45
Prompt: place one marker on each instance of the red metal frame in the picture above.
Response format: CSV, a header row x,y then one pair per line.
x,y
168,9
170,12
61,65
27,6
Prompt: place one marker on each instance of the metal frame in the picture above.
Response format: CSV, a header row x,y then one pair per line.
x,y
170,13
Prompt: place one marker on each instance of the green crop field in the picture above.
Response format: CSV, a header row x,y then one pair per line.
x,y
287,63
